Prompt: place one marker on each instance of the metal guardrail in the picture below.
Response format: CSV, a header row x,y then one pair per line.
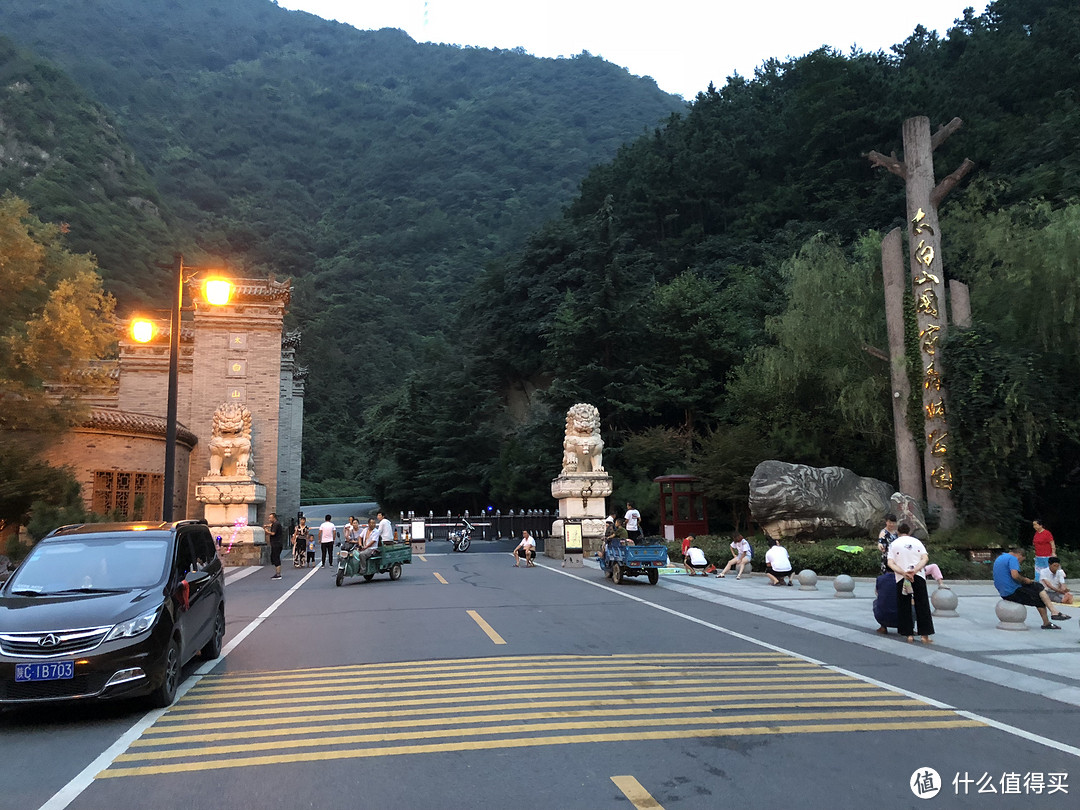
x,y
489,525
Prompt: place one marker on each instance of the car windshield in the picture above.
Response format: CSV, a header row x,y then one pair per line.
x,y
91,566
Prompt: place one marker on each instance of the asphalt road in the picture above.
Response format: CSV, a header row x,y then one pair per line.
x,y
469,683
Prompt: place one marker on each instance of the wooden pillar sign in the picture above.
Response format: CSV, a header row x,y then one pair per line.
x,y
928,288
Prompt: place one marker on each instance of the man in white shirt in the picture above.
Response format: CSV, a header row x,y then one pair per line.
x,y
633,521
695,561
778,564
526,548
368,537
385,530
327,534
1053,580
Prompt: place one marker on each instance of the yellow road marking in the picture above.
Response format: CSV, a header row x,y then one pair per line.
x,y
870,696
158,736
439,577
448,664
526,742
638,796
334,678
487,628
335,738
422,557
825,680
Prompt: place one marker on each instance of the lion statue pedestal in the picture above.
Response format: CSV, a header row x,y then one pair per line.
x,y
231,495
583,487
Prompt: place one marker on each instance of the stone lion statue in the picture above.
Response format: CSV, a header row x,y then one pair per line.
x,y
583,449
230,443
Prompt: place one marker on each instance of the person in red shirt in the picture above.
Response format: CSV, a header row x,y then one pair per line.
x,y
1045,547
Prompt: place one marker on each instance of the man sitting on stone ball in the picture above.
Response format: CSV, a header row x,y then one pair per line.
x,y
1012,587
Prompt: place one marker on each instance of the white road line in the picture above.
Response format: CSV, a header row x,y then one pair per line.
x,y
71,791
1016,732
240,573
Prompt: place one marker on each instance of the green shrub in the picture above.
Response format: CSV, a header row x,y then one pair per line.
x,y
948,549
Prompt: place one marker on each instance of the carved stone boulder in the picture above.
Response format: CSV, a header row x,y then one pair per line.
x,y
796,500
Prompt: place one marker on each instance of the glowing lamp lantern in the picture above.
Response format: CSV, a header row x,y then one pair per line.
x,y
217,291
142,330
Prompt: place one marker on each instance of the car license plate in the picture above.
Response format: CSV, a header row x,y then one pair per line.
x,y
51,671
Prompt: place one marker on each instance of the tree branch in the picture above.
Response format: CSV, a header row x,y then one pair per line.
x,y
943,133
895,166
947,184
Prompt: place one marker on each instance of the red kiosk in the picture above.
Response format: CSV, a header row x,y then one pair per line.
x,y
682,506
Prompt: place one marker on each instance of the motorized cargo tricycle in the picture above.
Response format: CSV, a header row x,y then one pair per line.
x,y
387,559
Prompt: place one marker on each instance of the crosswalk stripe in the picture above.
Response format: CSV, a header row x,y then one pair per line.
x,y
528,742
584,699
211,684
871,697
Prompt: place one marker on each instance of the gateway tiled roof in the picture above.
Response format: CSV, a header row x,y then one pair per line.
x,y
109,420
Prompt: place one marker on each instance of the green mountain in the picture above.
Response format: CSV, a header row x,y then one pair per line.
x,y
714,292
481,238
285,140
61,150
380,173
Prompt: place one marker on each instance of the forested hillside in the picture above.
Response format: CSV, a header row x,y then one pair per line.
x,y
713,285
62,151
715,289
382,174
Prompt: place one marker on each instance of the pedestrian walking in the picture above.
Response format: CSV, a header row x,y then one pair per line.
x,y
301,536
1045,547
328,533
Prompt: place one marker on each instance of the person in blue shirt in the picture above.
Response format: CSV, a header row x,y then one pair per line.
x,y
1013,587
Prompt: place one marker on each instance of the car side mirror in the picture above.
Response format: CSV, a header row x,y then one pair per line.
x,y
196,577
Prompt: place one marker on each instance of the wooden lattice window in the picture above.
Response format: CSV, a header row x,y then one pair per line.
x,y
128,495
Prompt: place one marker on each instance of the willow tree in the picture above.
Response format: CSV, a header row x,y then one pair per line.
x,y
818,393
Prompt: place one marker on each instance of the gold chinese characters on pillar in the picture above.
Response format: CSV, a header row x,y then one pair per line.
x,y
931,326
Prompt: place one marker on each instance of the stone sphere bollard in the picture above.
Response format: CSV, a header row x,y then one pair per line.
x,y
807,580
945,601
1011,615
845,587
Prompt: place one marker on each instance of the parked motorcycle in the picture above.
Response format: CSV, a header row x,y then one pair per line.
x,y
462,538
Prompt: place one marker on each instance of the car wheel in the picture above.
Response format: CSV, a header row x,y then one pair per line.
x,y
395,571
616,573
212,649
164,695
654,576
339,578
607,572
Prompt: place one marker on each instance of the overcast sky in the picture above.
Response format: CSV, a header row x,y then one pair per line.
x,y
682,44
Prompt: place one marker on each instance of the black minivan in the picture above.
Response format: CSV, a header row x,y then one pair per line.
x,y
110,610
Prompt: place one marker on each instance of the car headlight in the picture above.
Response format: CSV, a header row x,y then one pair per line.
x,y
133,627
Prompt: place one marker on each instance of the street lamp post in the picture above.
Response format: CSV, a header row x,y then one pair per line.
x,y
142,331
174,385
